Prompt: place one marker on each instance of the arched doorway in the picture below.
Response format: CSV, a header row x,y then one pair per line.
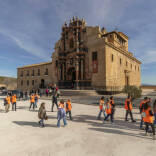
x,y
72,76
42,83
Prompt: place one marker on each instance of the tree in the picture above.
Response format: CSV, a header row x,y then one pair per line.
x,y
133,91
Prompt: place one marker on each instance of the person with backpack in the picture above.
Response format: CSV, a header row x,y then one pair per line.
x,y
61,114
42,115
102,108
147,115
69,108
109,111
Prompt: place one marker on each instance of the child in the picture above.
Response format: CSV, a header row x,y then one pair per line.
x,y
101,107
68,108
7,103
61,114
42,115
111,100
13,99
32,101
109,111
147,115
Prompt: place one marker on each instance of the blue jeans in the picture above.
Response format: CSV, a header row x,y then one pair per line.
x,y
41,122
36,103
155,118
99,116
61,115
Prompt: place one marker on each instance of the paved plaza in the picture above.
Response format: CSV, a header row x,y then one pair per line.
x,y
21,135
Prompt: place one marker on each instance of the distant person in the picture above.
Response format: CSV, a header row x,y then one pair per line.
x,y
7,103
148,118
154,110
13,101
69,108
36,99
141,109
61,114
129,107
47,92
109,111
32,102
101,107
42,114
54,97
112,103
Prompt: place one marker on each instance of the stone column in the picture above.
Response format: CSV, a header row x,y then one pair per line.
x,y
82,69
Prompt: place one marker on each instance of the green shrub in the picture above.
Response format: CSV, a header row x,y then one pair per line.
x,y
133,91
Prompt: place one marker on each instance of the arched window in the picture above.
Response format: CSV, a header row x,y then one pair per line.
x,y
27,82
33,82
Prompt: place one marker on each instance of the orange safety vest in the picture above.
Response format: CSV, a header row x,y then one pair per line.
x,y
146,116
68,106
130,104
8,99
112,102
14,99
101,104
108,108
142,102
32,98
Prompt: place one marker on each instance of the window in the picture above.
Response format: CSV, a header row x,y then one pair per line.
x,y
27,73
135,67
94,56
38,72
56,63
33,82
22,83
138,68
112,57
131,66
126,63
27,82
33,73
21,73
46,72
120,61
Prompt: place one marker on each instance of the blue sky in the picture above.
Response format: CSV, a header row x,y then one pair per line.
x,y
30,28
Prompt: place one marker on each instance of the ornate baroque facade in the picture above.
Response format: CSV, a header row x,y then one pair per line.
x,y
90,57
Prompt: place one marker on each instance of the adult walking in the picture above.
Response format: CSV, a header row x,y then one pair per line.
x,y
129,107
54,97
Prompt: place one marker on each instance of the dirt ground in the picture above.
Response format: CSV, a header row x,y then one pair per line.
x,y
20,134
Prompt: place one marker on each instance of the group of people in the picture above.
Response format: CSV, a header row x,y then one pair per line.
x,y
148,115
106,106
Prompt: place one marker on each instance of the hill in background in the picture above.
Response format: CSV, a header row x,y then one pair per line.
x,y
9,82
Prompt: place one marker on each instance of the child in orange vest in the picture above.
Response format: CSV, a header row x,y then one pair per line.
x,y
68,108
7,104
101,107
147,115
32,101
109,111
13,101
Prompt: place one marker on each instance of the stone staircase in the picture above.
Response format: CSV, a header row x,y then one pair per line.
x,y
70,92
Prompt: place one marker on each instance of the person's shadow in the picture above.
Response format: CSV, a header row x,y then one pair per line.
x,y
32,124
